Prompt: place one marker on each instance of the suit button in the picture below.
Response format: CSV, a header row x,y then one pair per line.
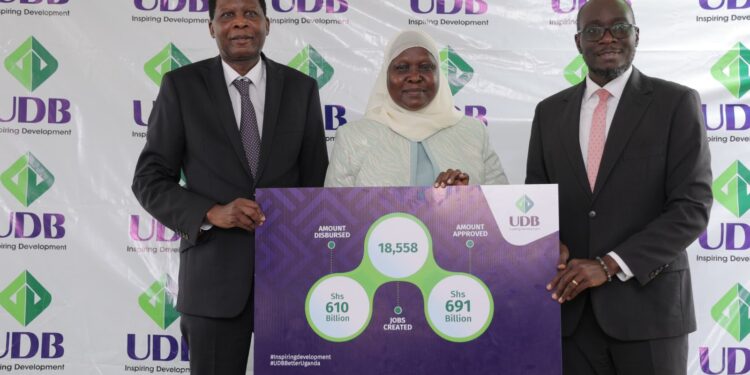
x,y
592,214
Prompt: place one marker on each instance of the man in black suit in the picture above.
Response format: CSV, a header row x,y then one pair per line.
x,y
232,124
631,159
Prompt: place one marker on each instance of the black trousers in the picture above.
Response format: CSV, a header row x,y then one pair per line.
x,y
218,346
590,351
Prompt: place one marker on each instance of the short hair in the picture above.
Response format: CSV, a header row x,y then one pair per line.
x,y
580,10
212,8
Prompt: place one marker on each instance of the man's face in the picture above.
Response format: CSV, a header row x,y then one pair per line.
x,y
240,29
610,56
413,78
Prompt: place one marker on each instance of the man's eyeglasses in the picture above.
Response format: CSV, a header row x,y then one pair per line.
x,y
618,31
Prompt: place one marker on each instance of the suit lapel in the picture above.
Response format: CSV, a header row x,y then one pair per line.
x,y
635,99
274,89
570,128
217,89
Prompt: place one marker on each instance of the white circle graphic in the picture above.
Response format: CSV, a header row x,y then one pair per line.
x,y
458,306
398,246
339,307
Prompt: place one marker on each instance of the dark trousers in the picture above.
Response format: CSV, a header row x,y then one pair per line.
x,y
218,346
590,351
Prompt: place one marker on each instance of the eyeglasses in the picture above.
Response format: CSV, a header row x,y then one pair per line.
x,y
618,31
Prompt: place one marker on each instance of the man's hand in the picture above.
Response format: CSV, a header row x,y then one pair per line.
x,y
451,177
240,213
578,275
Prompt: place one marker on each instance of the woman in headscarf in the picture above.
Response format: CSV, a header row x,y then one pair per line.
x,y
412,134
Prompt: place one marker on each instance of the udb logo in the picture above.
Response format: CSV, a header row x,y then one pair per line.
x,y
524,205
732,189
31,64
732,313
733,69
166,60
729,4
458,71
27,179
310,6
158,303
310,62
172,5
449,6
25,299
576,71
569,6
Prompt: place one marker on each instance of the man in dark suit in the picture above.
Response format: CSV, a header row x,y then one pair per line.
x,y
232,124
631,159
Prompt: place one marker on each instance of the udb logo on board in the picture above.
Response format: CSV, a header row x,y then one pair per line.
x,y
524,205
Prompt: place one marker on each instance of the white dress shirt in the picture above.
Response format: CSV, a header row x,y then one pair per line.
x,y
589,102
256,75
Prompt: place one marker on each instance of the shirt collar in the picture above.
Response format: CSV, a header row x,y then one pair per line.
x,y
615,86
255,75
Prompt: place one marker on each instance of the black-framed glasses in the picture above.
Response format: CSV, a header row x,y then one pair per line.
x,y
618,31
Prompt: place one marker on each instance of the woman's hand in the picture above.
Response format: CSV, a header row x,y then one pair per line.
x,y
451,177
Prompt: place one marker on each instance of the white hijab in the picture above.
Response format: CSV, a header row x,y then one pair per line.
x,y
417,125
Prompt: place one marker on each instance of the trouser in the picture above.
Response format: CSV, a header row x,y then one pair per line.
x,y
590,351
218,346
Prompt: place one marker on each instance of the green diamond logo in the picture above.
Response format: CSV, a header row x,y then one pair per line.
x,y
168,59
458,71
731,189
158,303
733,70
576,71
524,204
25,298
27,179
732,312
310,62
31,64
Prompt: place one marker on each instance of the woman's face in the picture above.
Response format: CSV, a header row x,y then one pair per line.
x,y
413,78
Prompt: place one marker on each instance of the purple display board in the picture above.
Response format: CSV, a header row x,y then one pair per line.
x,y
410,280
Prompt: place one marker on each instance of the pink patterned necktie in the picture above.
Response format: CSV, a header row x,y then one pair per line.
x,y
597,137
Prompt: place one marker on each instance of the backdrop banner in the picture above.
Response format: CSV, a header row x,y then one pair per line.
x,y
87,276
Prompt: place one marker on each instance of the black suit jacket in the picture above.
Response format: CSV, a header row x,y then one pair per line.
x,y
651,200
192,128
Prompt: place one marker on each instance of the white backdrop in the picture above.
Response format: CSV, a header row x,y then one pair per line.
x,y
85,273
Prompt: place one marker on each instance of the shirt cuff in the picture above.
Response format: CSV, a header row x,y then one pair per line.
x,y
206,226
625,273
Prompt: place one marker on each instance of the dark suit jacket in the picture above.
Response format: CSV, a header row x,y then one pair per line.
x,y
651,200
192,128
